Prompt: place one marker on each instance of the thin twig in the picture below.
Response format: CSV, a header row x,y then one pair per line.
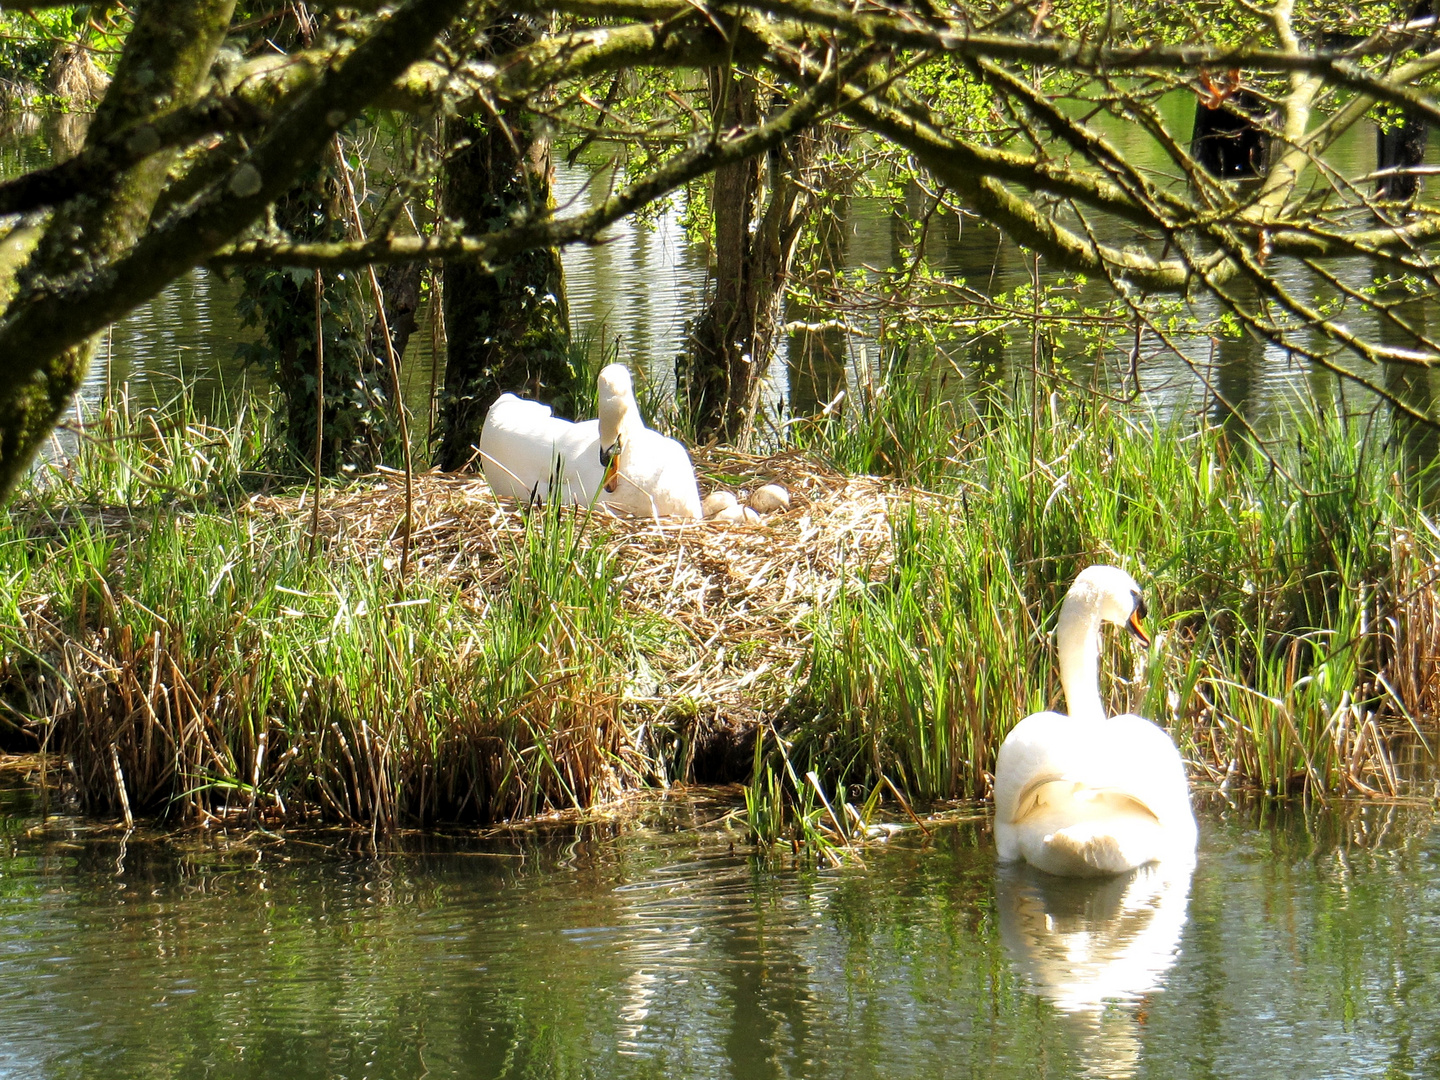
x,y
319,413
904,803
401,417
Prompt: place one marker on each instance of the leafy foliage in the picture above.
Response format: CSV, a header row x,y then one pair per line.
x,y
359,425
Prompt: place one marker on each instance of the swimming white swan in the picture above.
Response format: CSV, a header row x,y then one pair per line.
x,y
1085,795
615,461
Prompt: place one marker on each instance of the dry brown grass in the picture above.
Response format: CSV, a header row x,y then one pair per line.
x,y
74,77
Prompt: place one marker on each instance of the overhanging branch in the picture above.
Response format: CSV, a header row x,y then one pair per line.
x,y
97,165
497,246
56,316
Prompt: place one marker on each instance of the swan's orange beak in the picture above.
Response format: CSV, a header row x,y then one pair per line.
x,y
610,459
1133,625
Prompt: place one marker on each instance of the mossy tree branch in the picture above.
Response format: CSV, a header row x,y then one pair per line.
x,y
547,232
51,316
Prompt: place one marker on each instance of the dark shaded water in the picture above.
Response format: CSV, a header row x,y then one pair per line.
x,y
1300,949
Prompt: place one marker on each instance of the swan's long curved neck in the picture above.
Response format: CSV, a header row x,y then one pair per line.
x,y
619,418
1077,639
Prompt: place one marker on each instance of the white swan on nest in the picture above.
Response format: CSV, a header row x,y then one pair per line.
x,y
614,461
1086,795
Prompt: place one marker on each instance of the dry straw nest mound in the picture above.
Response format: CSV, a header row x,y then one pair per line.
x,y
713,639
737,596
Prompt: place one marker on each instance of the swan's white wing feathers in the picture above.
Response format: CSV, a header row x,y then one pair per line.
x,y
1043,794
577,448
1036,749
517,447
1150,769
523,448
1091,797
656,478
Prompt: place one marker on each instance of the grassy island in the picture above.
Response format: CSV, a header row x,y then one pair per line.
x,y
185,638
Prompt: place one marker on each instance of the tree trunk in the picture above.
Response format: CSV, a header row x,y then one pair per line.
x,y
360,430
1400,144
721,368
732,341
508,329
815,359
164,66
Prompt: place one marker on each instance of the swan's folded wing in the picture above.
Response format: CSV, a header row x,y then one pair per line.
x,y
577,449
1034,797
1118,801
1040,748
1045,794
517,447
1150,769
657,478
523,447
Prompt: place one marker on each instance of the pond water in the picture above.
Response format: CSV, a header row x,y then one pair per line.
x,y
1301,947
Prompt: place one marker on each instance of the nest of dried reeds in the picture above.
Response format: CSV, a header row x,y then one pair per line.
x,y
736,595
155,707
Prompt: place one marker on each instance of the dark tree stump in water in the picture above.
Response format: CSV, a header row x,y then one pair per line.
x,y
1228,141
400,287
1401,146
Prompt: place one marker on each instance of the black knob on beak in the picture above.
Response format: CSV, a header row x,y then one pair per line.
x,y
610,462
1136,614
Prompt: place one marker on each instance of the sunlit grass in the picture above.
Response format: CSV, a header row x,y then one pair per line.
x,y
1284,604
224,666
906,425
131,454
154,618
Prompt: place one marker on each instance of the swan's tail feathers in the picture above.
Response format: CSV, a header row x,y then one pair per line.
x,y
1098,848
1082,849
1087,831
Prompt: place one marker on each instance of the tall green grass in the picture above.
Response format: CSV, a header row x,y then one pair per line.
x,y
901,423
166,637
200,658
131,454
1292,586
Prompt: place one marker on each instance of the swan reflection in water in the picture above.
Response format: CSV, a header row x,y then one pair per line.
x,y
1096,948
